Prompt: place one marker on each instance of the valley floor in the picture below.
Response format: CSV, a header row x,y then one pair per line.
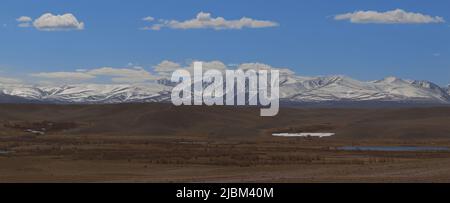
x,y
155,159
159,143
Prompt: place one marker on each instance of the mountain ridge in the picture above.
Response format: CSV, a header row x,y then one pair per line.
x,y
293,89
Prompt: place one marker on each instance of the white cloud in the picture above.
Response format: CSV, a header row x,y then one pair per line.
x,y
166,67
205,20
209,65
68,76
397,16
133,75
24,21
254,66
140,75
148,19
64,75
5,80
261,66
50,22
119,75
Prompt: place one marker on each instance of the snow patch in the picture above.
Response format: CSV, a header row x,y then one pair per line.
x,y
319,135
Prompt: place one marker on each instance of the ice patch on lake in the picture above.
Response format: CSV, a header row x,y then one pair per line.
x,y
319,135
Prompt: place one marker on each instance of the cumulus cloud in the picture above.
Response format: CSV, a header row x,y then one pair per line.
x,y
206,21
397,16
69,76
24,21
254,66
217,65
166,67
148,19
132,75
6,80
119,75
209,65
261,66
51,22
140,75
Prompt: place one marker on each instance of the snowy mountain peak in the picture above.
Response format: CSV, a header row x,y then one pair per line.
x,y
89,93
293,88
342,88
426,84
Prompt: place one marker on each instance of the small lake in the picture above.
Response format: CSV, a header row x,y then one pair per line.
x,y
395,149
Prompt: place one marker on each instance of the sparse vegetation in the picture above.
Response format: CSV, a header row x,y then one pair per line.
x,y
43,126
133,143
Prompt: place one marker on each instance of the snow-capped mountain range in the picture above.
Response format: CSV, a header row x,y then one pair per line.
x,y
342,88
89,93
293,88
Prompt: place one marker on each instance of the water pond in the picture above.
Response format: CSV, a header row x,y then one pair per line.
x,y
395,148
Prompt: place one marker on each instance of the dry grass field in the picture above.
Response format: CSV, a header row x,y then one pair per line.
x,y
162,143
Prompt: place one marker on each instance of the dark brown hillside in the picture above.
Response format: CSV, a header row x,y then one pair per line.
x,y
163,143
165,119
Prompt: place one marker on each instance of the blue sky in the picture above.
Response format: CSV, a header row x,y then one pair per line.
x,y
306,38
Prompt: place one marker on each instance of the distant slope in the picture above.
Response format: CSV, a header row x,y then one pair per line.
x,y
228,122
4,98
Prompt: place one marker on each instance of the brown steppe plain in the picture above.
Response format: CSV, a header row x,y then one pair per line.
x,y
163,143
